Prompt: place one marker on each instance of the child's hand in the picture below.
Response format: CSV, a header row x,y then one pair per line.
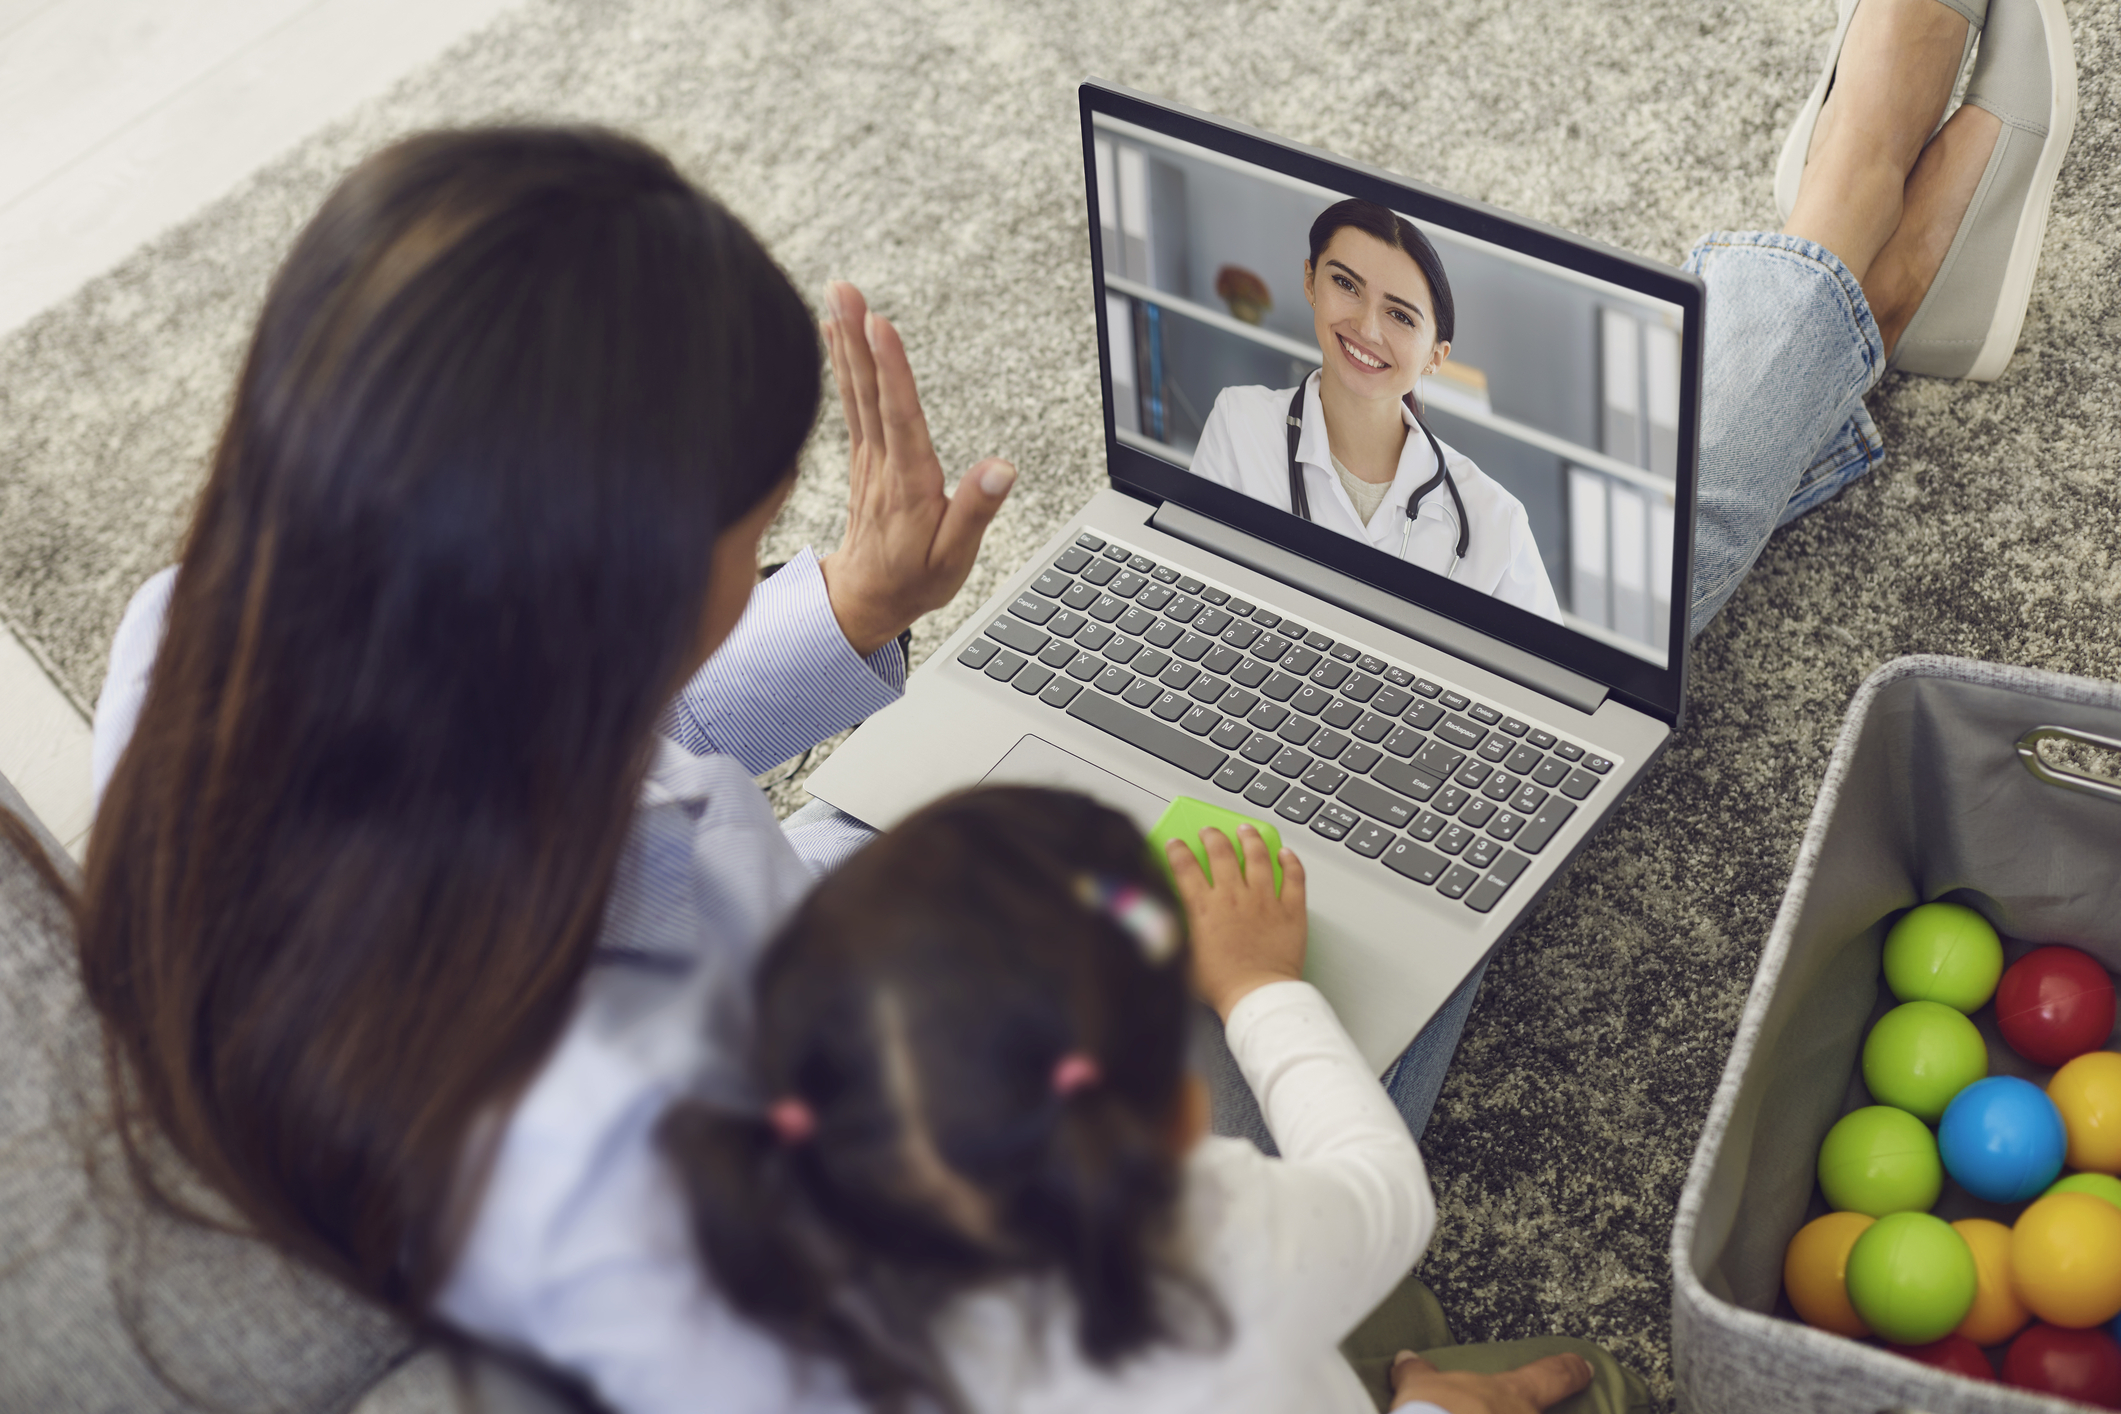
x,y
1243,936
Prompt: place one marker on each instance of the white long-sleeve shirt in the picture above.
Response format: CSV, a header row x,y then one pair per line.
x,y
1245,446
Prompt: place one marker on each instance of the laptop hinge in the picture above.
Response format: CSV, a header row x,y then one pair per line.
x,y
1525,669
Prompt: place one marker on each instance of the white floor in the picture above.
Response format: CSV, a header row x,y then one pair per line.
x,y
119,118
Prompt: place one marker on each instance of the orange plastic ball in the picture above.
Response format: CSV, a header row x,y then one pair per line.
x,y
1815,1272
1997,1314
2066,1259
2088,1092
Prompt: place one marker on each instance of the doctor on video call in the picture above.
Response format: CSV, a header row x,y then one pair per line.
x,y
1349,449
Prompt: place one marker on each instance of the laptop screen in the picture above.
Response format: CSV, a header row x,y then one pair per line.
x,y
1500,409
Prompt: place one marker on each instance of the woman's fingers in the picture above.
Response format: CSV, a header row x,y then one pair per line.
x,y
1545,1383
1222,859
1258,869
1185,871
970,510
842,375
905,426
853,319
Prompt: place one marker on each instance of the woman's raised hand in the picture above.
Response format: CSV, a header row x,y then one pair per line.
x,y
1244,935
909,544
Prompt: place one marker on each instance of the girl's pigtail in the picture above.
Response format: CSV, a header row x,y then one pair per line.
x,y
741,1195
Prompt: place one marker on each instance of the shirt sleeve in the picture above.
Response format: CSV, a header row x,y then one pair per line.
x,y
132,661
1347,1208
785,679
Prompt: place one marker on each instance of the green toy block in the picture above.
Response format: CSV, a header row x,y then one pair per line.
x,y
1187,817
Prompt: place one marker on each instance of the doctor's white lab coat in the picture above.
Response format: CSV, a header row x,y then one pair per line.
x,y
1245,446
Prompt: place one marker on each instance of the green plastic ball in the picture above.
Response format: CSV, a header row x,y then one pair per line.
x,y
1943,952
1912,1278
1880,1160
1921,1054
2099,1185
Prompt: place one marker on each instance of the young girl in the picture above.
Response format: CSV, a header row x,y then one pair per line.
x,y
977,1176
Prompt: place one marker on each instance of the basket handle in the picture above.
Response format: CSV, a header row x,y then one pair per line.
x,y
2029,753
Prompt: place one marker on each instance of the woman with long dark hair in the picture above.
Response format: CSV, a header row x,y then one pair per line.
x,y
384,802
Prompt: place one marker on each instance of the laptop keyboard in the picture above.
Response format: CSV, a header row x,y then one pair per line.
x,y
1435,785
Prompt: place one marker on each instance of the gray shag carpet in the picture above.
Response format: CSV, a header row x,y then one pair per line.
x,y
929,150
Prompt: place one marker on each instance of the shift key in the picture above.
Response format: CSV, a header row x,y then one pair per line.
x,y
1541,827
1017,634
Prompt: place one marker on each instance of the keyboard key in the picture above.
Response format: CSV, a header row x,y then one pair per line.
x,y
1268,715
1423,866
1360,758
1122,650
1114,680
1372,728
1140,564
1326,823
1003,665
1598,764
1170,706
1449,799
1240,608
1360,687
1207,689
1481,853
1201,721
1428,827
1454,838
1163,633
1398,677
1427,688
1291,630
1568,751
1299,805
1151,664
1192,647
1368,840
1456,701
1126,584
1084,667
1509,866
1031,679
1298,730
1345,652
1250,673
1072,559
1136,620
1423,716
1406,780
1052,584
1214,595
1472,774
1164,574
1265,619
1311,700
1065,624
1236,775
1377,802
1455,883
1154,597
1240,635
1270,647
1100,572
1501,786
1316,640
1328,745
1231,735
1405,741
1089,541
1494,749
1182,609
1166,743
1438,760
1460,732
1240,704
1266,790
1221,659
1483,713
1506,824
1477,812
1324,777
1541,827
1300,662
1290,762
1091,636
1060,692
1212,622
1550,772
1515,727
1143,694
1106,609
977,652
1080,595
1528,799
1117,553
1329,674
1579,784
1179,676
1522,759
1483,896
1057,654
1262,748
1541,739
1280,688
1392,701
1189,584
1015,633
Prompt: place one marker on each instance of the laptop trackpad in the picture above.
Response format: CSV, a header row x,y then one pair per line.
x,y
1035,761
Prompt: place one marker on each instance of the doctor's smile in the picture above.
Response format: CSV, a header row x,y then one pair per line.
x,y
1361,355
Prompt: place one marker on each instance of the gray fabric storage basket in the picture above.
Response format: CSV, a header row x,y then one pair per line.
x,y
1926,796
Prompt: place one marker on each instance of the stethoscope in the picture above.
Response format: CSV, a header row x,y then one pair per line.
x,y
1300,500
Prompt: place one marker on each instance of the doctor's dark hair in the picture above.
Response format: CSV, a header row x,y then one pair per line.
x,y
918,1007
450,563
1399,233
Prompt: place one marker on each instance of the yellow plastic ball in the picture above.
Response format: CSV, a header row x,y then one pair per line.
x,y
2088,1092
1815,1272
2066,1259
1997,1314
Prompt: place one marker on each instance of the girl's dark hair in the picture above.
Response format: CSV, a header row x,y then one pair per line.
x,y
449,565
918,1004
1399,233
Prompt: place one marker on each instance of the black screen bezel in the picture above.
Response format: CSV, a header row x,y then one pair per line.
x,y
1660,692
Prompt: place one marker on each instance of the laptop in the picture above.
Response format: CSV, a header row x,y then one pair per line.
x,y
1435,737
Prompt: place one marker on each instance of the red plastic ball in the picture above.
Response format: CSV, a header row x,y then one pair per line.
x,y
2080,1365
1955,1353
2054,1004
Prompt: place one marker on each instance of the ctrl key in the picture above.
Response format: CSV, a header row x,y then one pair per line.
x,y
977,652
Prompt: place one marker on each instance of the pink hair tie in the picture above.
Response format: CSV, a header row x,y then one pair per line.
x,y
793,1121
1074,1071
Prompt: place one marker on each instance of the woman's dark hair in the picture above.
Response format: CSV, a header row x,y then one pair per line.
x,y
918,1004
1399,233
449,565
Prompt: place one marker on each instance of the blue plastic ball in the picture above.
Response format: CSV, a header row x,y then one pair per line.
x,y
2002,1139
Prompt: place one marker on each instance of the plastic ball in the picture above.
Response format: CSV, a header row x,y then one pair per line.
x,y
1880,1160
1943,952
2099,1185
2054,1004
2088,1092
2002,1139
1997,1314
2079,1365
1921,1054
1955,1353
2066,1260
1911,1278
1815,1272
